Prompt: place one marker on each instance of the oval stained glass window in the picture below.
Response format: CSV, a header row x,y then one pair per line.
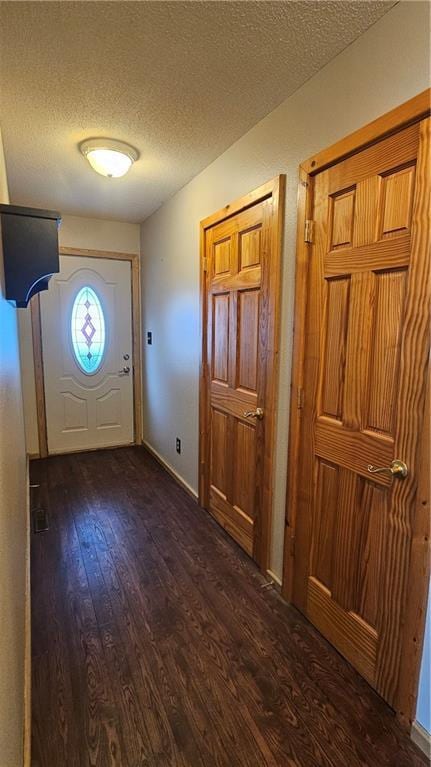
x,y
88,330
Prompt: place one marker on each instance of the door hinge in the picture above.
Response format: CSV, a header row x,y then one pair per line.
x,y
309,230
205,263
300,400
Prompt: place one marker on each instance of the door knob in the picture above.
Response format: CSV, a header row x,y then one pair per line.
x,y
258,413
396,469
124,371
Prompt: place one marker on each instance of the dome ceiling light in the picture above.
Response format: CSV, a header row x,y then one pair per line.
x,y
109,157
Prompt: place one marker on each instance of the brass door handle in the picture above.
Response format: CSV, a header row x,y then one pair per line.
x,y
258,413
396,469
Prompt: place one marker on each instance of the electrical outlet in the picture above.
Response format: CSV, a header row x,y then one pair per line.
x,y
178,445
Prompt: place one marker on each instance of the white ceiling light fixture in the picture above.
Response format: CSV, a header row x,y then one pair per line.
x,y
109,157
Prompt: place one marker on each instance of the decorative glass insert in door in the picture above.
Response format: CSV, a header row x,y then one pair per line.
x,y
88,330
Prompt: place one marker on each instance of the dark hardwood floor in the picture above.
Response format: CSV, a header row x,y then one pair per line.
x,y
154,644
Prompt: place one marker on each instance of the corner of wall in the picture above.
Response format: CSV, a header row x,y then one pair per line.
x,y
13,529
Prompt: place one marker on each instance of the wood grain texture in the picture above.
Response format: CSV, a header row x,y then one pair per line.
x,y
355,172
220,352
341,215
344,543
232,402
155,645
325,511
419,578
312,346
246,278
367,199
240,295
250,248
383,535
244,454
222,257
414,361
233,324
358,345
384,365
303,250
248,328
353,449
219,443
337,296
241,204
395,252
354,638
369,529
398,201
233,519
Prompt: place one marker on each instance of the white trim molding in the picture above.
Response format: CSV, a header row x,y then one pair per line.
x,y
422,738
167,466
275,578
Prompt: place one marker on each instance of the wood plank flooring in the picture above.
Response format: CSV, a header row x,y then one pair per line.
x,y
154,644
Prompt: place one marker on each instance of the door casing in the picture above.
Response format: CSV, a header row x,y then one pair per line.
x,y
136,345
274,190
401,117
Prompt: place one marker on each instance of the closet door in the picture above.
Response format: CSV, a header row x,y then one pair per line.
x,y
241,287
366,351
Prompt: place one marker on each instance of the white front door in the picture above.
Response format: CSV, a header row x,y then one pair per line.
x,y
86,318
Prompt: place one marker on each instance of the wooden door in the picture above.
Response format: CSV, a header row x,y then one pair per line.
x,y
364,370
240,326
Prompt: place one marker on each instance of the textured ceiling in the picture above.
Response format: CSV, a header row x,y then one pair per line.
x,y
181,81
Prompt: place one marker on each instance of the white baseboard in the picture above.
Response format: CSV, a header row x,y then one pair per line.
x,y
170,470
274,578
422,738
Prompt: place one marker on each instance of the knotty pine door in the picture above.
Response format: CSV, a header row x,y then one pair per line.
x,y
364,377
241,285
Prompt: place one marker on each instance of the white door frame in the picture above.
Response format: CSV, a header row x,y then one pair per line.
x,y
135,272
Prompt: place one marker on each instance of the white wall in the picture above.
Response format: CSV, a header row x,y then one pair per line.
x,y
423,711
28,381
75,232
13,527
386,66
97,234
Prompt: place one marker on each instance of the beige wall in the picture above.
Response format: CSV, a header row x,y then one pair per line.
x,y
97,234
75,232
13,528
386,66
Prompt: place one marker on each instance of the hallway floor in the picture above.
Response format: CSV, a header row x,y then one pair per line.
x,y
154,644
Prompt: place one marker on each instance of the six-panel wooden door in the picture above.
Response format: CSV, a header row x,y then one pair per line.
x,y
240,326
366,350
